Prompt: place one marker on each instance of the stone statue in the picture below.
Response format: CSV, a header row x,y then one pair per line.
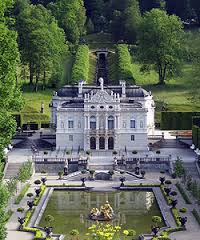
x,y
101,83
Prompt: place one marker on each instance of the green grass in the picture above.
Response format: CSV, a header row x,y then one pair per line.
x,y
112,70
22,193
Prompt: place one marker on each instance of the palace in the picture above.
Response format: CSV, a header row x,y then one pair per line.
x,y
91,117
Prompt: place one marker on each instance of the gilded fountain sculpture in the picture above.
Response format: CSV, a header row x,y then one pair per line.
x,y
105,213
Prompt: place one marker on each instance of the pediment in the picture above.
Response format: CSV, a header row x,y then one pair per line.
x,y
101,97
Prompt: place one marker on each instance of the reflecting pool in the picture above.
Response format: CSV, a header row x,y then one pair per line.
x,y
70,209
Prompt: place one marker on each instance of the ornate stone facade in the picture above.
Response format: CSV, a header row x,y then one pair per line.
x,y
102,117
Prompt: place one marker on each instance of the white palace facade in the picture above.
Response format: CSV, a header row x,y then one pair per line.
x,y
90,117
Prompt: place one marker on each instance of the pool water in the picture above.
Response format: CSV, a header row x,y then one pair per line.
x,y
70,209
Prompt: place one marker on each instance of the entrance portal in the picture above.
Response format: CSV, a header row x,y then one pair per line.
x,y
93,143
101,143
110,143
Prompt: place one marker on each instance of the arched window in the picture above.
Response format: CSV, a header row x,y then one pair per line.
x,y
110,122
92,143
132,123
93,122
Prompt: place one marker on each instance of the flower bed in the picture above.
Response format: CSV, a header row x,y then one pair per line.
x,y
37,198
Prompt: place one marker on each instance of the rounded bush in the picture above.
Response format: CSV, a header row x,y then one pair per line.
x,y
168,182
162,171
183,210
29,195
134,152
37,182
158,152
21,209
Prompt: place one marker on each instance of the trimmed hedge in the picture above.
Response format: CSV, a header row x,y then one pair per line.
x,y
196,121
183,193
196,135
80,69
196,215
176,216
124,64
37,199
177,120
167,198
22,193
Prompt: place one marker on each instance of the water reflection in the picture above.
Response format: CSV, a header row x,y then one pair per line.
x,y
133,209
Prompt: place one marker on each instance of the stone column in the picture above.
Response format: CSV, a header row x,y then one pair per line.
x,y
97,121
106,142
97,142
88,125
106,119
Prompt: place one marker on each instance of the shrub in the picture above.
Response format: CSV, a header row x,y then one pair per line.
x,y
37,198
176,216
158,152
162,171
114,152
22,193
183,210
124,64
21,209
134,152
37,182
168,182
45,152
88,152
111,172
83,171
25,172
80,69
196,215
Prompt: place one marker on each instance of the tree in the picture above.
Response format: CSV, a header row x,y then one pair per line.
x,y
25,172
42,42
4,196
71,17
161,36
125,19
156,220
179,169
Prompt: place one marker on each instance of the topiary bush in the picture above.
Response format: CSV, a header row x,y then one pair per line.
x,y
168,182
183,210
124,64
80,69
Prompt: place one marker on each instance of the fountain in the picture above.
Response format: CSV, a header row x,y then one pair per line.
x,y
105,213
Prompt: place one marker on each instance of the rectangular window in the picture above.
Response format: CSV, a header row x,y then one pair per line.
x,y
71,138
132,137
132,124
70,124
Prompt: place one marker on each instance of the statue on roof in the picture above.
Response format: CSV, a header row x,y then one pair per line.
x,y
101,81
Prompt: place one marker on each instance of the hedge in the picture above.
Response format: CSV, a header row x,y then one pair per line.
x,y
196,215
124,64
196,121
22,193
196,135
37,199
183,193
176,216
177,120
80,69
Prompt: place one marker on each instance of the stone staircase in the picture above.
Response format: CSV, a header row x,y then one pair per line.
x,y
172,143
12,170
100,163
191,169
